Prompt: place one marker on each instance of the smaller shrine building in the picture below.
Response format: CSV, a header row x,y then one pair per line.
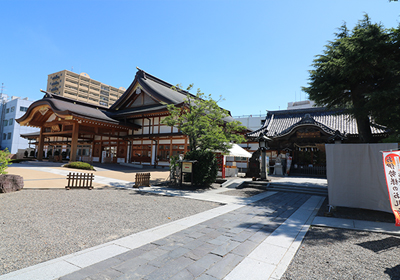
x,y
303,133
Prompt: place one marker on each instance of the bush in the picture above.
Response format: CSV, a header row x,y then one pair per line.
x,y
205,170
79,165
4,161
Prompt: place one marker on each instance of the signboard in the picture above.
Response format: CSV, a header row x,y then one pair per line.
x,y
391,165
313,134
288,164
103,156
186,167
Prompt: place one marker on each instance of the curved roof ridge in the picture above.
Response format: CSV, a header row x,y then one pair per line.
x,y
146,75
306,120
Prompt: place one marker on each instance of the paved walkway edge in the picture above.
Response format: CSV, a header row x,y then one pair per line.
x,y
272,257
387,228
59,267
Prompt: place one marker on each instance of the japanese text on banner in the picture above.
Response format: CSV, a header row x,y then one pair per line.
x,y
391,164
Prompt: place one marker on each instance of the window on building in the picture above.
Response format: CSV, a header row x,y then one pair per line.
x,y
9,135
10,122
23,109
5,122
4,136
12,108
7,110
163,152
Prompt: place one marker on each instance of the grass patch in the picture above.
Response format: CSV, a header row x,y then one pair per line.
x,y
79,165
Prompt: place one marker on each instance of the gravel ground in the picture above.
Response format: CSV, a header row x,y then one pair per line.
x,y
40,225
329,253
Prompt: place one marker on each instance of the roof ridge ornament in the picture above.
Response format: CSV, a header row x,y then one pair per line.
x,y
338,136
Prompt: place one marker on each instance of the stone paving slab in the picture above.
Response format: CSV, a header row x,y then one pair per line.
x,y
380,227
220,247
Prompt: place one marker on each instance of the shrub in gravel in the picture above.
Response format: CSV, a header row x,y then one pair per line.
x,y
79,165
205,170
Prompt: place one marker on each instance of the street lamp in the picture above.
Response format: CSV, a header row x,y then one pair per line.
x,y
262,141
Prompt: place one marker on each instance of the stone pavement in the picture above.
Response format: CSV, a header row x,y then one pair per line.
x,y
256,241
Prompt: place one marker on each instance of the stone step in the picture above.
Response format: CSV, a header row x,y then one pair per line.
x,y
314,190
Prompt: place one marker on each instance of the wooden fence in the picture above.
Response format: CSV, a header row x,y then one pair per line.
x,y
80,180
142,179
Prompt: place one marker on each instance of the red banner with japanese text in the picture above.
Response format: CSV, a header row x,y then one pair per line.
x,y
391,165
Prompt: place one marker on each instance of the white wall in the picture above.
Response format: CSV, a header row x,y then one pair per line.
x,y
16,142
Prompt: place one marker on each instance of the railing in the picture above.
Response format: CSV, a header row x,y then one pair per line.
x,y
250,116
319,171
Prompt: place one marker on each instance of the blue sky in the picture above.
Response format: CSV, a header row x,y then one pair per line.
x,y
256,54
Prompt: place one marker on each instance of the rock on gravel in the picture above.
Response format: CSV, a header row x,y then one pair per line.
x,y
40,225
328,253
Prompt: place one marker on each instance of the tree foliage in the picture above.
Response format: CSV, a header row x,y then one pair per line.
x,y
4,161
205,170
359,70
205,123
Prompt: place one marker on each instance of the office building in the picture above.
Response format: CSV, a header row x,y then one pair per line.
x,y
10,131
82,88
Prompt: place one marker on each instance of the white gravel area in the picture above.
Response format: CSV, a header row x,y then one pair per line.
x,y
328,253
40,225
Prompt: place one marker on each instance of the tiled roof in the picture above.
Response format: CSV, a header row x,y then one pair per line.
x,y
280,123
66,106
156,88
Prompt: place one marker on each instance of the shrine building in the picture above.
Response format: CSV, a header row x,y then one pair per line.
x,y
303,133
130,131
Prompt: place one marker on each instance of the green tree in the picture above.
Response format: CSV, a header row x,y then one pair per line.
x,y
4,161
205,169
359,70
207,125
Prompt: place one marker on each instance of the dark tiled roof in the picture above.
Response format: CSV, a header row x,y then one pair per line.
x,y
156,88
280,123
66,106
153,86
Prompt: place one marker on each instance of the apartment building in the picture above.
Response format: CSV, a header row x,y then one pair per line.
x,y
82,88
10,131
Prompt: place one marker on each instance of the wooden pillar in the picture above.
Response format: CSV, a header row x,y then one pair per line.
x,y
74,141
40,145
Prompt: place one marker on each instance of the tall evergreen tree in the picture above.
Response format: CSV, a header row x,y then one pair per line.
x,y
359,70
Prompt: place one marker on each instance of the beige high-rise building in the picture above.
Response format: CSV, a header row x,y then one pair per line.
x,y
81,87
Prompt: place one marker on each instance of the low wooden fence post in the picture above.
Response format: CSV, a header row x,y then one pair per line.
x,y
80,180
142,179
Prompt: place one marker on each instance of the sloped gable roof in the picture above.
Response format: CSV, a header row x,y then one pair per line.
x,y
154,87
66,106
280,123
157,89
